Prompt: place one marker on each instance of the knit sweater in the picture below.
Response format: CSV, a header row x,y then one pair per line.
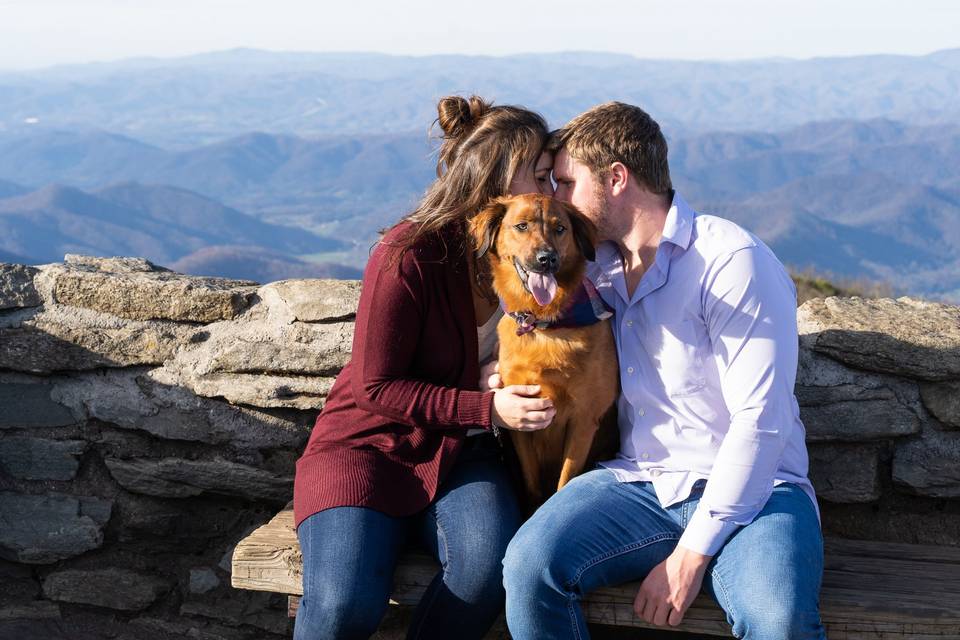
x,y
398,412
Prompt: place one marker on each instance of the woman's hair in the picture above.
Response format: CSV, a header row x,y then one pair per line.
x,y
484,146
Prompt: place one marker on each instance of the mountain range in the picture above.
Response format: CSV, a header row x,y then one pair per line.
x,y
856,196
184,102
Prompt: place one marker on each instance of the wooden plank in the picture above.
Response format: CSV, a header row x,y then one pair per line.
x,y
871,590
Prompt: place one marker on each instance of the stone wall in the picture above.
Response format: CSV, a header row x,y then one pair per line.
x,y
149,420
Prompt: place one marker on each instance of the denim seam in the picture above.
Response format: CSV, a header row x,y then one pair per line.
x,y
444,563
569,584
722,591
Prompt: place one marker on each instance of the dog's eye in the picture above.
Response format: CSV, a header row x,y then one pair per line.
x,y
560,229
521,226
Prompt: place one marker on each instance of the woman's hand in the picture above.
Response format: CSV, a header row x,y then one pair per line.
x,y
520,408
490,376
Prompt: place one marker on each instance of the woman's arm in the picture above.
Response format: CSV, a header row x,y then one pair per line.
x,y
389,325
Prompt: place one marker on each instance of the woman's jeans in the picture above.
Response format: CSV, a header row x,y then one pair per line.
x,y
349,555
598,532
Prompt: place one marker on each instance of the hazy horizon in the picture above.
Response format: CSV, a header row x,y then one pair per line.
x,y
114,30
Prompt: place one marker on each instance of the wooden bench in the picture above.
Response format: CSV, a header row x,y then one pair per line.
x,y
871,590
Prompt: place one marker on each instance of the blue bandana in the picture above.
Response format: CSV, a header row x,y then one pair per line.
x,y
586,307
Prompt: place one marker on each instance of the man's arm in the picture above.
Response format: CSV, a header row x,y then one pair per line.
x,y
749,307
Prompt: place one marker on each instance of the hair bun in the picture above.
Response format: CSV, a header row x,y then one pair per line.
x,y
457,115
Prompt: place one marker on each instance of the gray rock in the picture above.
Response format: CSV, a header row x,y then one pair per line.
x,y
25,404
138,399
942,399
845,473
40,459
136,289
258,390
254,608
112,588
56,338
16,286
45,529
312,300
36,610
177,478
929,465
203,580
904,336
840,404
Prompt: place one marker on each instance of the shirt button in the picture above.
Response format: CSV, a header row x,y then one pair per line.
x,y
645,455
629,323
629,369
641,411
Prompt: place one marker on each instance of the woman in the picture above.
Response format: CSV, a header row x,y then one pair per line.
x,y
390,456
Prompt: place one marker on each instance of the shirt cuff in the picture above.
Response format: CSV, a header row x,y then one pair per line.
x,y
706,534
474,408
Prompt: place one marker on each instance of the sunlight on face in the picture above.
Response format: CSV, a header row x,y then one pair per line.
x,y
534,177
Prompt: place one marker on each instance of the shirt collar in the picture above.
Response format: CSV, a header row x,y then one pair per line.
x,y
679,224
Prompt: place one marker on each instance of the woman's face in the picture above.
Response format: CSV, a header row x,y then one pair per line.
x,y
534,177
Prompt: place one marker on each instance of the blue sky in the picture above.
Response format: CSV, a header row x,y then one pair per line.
x,y
37,33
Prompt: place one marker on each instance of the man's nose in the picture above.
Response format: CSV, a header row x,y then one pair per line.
x,y
547,258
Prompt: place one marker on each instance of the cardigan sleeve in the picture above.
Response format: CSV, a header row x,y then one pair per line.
x,y
389,324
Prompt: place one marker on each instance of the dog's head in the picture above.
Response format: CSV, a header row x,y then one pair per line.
x,y
537,247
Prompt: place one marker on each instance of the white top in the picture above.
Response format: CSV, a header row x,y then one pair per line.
x,y
486,341
708,361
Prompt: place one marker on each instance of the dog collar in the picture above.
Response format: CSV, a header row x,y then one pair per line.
x,y
586,308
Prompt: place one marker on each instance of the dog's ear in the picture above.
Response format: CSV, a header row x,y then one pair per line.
x,y
584,233
485,225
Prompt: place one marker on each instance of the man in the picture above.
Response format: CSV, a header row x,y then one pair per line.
x,y
710,486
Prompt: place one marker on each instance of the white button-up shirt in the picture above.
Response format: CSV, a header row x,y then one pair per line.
x,y
708,360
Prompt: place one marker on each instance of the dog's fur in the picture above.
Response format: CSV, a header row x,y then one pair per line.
x,y
575,367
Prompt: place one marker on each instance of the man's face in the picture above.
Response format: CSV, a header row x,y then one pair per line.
x,y
577,185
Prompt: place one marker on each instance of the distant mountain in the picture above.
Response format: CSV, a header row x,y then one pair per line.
x,y
859,199
159,223
8,189
181,102
258,264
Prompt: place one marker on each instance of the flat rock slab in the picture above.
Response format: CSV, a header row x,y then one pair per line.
x,y
16,286
111,588
942,399
905,336
40,459
845,473
319,300
178,478
136,289
28,404
47,528
929,465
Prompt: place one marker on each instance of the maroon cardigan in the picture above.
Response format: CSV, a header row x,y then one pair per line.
x,y
397,414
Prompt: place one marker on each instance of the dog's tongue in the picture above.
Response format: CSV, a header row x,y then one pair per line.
x,y
543,286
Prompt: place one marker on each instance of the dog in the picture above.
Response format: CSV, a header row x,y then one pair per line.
x,y
555,332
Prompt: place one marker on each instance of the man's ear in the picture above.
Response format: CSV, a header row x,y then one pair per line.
x,y
485,225
584,233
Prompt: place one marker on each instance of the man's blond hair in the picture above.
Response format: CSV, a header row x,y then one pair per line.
x,y
617,132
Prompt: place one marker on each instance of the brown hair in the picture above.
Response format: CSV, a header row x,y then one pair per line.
x,y
484,146
617,132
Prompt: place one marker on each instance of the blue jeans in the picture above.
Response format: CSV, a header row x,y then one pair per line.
x,y
349,555
598,532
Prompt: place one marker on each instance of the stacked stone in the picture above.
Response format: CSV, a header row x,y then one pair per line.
x,y
879,391
148,421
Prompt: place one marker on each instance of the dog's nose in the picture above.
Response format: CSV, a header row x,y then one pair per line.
x,y
547,259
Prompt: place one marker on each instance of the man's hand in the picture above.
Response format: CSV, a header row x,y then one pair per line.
x,y
490,376
668,590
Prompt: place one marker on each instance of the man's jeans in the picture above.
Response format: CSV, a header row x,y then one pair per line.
x,y
349,554
597,532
